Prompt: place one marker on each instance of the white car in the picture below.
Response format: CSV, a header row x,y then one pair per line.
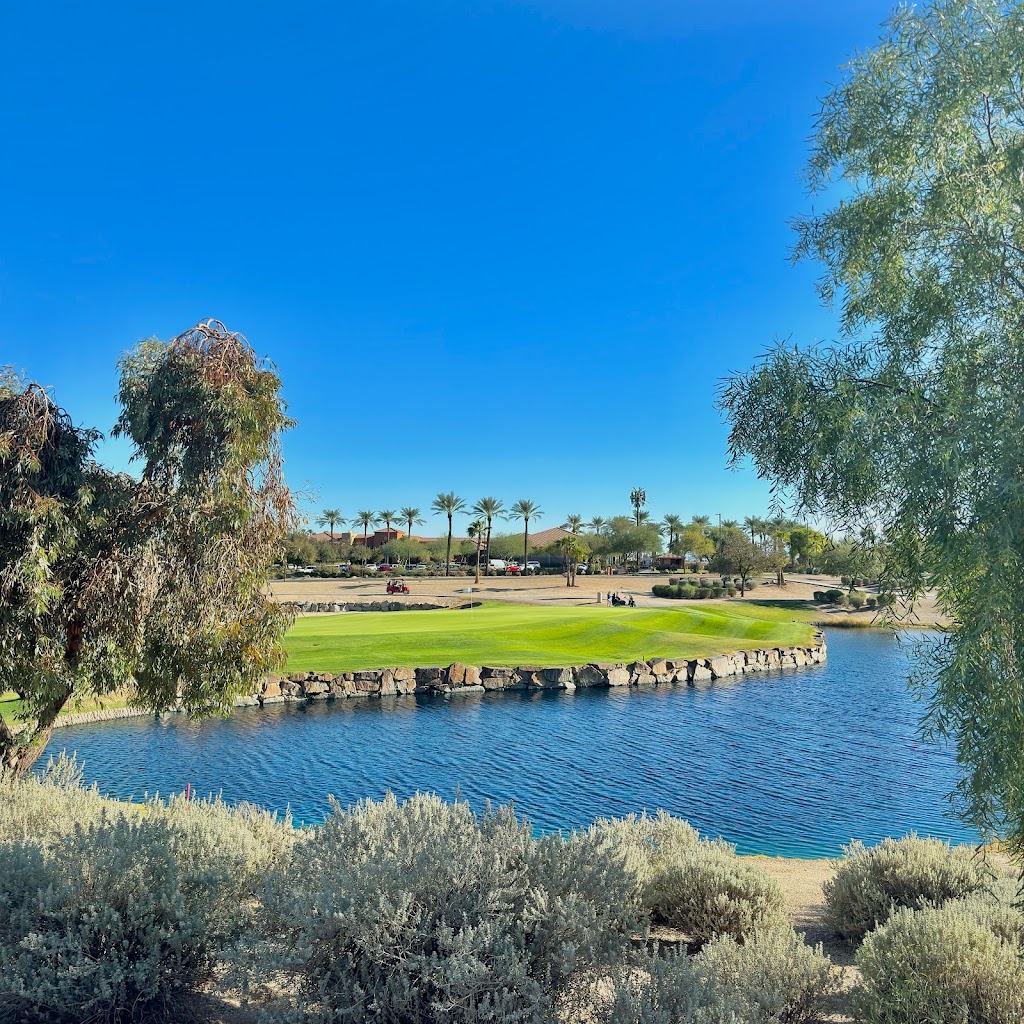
x,y
582,569
533,566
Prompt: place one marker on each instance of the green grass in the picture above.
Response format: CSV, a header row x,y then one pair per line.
x,y
507,634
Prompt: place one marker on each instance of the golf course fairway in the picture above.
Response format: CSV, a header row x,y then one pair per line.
x,y
510,634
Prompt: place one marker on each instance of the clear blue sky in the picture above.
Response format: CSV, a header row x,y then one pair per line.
x,y
502,247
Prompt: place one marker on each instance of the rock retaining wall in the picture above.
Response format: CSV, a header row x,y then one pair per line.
x,y
458,678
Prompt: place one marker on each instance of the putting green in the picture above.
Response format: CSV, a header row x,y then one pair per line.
x,y
507,634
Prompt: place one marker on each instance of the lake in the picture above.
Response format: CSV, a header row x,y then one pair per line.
x,y
795,763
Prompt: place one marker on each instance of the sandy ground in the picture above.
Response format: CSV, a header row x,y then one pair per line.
x,y
551,590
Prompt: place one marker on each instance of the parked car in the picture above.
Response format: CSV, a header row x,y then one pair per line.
x,y
533,566
418,567
384,567
306,570
582,569
513,567
496,564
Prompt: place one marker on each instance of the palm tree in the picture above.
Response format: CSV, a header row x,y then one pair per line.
x,y
597,524
476,531
573,524
330,517
410,515
387,517
637,498
753,524
448,504
672,525
526,510
365,520
489,508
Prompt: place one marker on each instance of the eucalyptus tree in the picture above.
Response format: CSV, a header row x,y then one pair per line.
x,y
488,508
475,531
448,504
573,524
365,519
411,517
155,584
526,510
329,517
637,498
912,420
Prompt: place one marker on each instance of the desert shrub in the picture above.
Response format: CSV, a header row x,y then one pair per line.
x,y
872,602
820,597
731,591
646,845
661,590
673,580
111,910
122,916
751,584
939,964
845,581
424,911
833,596
856,599
706,892
717,592
885,600
772,977
871,883
702,593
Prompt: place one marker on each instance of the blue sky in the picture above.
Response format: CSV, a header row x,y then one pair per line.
x,y
503,248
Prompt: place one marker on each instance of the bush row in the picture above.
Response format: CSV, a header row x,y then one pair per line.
x,y
853,599
686,593
419,911
427,912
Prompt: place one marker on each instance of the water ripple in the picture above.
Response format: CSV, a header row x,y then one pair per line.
x,y
794,763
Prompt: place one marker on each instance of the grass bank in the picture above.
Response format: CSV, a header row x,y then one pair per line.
x,y
508,634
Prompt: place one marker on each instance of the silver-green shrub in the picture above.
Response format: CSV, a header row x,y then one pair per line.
x,y
870,883
773,977
939,964
111,911
646,843
706,891
426,912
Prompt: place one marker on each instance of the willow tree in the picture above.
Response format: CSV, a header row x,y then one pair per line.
x,y
913,419
154,583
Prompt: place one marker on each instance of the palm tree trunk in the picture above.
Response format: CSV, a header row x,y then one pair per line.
x,y
448,557
526,539
478,540
487,571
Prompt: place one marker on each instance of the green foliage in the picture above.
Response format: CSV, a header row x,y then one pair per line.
x,y
914,422
487,923
856,599
872,882
155,583
939,964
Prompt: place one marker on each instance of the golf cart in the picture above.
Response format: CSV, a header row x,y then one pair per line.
x,y
397,586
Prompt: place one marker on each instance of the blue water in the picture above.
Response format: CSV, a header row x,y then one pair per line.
x,y
795,763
